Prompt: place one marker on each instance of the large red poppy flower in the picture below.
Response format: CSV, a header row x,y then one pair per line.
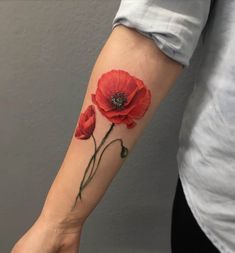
x,y
121,97
86,124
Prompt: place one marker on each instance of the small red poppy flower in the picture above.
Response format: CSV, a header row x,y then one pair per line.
x,y
121,98
86,124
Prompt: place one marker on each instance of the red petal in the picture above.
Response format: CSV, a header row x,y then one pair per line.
x,y
102,111
129,122
138,97
104,84
139,85
93,99
131,125
130,96
120,112
87,124
103,102
117,119
80,134
141,107
116,81
90,111
126,83
135,100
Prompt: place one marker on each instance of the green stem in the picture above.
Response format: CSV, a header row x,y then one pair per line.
x,y
92,158
85,173
89,179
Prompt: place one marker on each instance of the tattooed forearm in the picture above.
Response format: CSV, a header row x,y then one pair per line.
x,y
116,108
122,99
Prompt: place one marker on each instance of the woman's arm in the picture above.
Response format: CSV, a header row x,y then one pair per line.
x,y
130,69
125,50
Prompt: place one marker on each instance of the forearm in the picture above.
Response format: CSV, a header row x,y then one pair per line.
x,y
125,50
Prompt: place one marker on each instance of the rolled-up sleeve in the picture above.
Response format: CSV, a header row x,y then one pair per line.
x,y
174,25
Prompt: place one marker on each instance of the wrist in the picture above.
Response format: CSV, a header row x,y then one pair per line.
x,y
61,238
61,223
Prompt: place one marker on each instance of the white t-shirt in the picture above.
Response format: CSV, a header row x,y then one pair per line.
x,y
206,154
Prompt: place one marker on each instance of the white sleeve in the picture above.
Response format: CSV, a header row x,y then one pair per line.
x,y
174,25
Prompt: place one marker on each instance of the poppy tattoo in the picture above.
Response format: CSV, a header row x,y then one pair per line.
x,y
122,99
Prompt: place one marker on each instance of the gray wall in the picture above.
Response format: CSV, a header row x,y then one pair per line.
x,y
47,51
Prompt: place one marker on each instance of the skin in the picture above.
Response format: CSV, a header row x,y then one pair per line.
x,y
128,50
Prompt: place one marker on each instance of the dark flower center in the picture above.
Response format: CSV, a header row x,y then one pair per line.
x,y
118,100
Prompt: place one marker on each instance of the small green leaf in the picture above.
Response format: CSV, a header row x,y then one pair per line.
x,y
124,152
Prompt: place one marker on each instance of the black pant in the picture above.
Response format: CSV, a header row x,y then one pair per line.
x,y
186,235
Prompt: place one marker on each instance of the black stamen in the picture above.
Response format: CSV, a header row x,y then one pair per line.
x,y
118,100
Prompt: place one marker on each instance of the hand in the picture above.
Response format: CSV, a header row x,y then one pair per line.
x,y
45,237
